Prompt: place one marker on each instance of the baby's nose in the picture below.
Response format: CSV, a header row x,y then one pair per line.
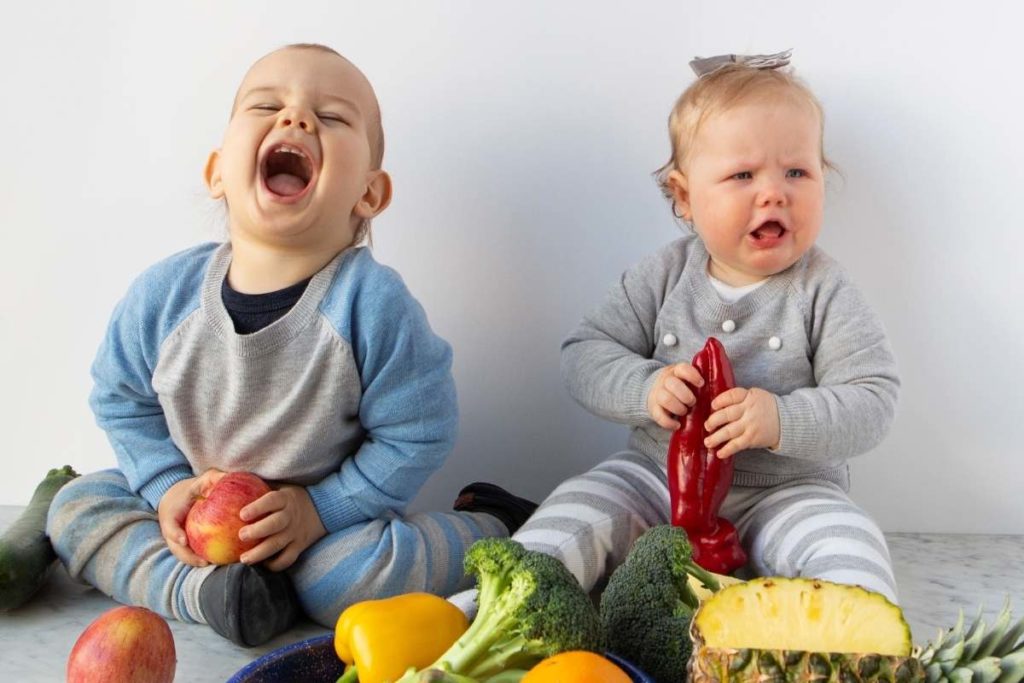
x,y
294,118
772,194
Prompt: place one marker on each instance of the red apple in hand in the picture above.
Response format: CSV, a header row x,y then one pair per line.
x,y
213,522
123,645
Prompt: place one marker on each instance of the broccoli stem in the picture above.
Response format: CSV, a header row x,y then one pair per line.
x,y
350,675
475,644
702,575
510,676
504,655
438,676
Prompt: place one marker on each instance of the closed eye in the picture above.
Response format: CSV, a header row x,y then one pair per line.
x,y
265,107
329,116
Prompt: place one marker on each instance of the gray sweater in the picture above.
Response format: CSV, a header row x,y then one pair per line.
x,y
829,364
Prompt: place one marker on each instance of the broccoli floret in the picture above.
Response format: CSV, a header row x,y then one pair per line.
x,y
529,607
648,603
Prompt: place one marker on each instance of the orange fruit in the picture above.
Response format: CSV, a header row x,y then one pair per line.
x,y
576,666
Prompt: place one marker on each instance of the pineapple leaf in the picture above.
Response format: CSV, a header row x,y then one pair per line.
x,y
1012,667
958,630
949,656
973,639
975,623
985,670
949,646
1011,643
960,676
996,633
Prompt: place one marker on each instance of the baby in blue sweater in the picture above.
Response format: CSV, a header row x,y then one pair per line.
x,y
288,352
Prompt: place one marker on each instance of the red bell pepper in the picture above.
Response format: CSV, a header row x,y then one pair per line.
x,y
697,479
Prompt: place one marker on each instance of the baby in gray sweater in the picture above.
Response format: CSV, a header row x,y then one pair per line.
x,y
816,379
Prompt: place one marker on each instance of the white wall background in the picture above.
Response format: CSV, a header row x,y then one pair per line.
x,y
521,137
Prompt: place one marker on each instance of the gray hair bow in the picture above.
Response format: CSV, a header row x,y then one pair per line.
x,y
702,66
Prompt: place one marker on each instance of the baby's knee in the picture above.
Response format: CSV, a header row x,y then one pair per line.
x,y
69,500
332,576
323,604
75,507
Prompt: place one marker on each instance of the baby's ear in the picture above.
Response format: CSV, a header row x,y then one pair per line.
x,y
211,175
680,189
376,196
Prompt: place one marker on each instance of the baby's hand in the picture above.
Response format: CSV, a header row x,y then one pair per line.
x,y
670,397
289,525
743,418
173,508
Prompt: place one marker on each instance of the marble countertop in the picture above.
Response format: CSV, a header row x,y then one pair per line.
x,y
937,574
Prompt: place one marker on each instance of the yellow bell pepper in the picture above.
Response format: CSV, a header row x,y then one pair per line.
x,y
383,638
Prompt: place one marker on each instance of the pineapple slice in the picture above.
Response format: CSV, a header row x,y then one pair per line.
x,y
803,614
779,630
807,631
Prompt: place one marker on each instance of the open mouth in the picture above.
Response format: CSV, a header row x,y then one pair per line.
x,y
287,170
769,230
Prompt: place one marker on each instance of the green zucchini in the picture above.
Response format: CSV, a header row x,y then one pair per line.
x,y
25,551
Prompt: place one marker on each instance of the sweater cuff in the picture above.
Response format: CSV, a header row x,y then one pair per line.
x,y
154,489
336,510
800,433
638,388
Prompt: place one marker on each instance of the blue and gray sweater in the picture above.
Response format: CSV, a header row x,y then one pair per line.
x,y
349,394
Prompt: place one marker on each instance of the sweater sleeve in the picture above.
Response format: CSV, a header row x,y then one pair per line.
x,y
408,408
607,361
125,404
853,405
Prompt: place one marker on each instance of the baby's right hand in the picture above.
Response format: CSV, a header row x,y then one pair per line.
x,y
174,507
670,397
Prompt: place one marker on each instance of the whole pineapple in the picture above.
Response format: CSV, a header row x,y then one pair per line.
x,y
779,630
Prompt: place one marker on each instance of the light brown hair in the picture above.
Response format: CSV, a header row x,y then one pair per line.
x,y
721,90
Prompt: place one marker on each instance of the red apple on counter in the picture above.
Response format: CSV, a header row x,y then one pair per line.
x,y
124,645
213,522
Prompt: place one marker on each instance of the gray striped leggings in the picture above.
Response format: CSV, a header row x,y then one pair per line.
x,y
803,528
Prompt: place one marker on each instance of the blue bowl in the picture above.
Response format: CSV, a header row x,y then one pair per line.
x,y
314,661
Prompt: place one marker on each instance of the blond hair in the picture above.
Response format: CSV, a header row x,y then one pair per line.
x,y
727,87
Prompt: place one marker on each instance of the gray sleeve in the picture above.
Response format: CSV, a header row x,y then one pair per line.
x,y
607,360
852,407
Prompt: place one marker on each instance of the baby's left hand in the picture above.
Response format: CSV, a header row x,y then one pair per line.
x,y
743,418
290,526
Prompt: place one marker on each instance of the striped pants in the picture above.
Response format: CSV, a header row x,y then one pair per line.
x,y
110,538
803,528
